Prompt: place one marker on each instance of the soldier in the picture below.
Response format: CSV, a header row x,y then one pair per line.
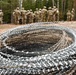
x,y
23,15
1,17
27,15
44,14
30,16
40,15
17,15
36,15
50,14
72,14
68,15
54,9
57,14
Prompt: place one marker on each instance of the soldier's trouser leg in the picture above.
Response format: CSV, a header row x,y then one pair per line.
x,y
72,18
43,19
32,20
51,17
54,18
17,22
1,22
68,19
48,19
24,21
58,17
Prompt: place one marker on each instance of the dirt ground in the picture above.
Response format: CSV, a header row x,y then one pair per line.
x,y
6,27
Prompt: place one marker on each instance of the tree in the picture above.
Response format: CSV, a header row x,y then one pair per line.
x,y
39,4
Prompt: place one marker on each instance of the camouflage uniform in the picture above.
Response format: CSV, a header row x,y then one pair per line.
x,y
40,15
57,14
17,15
1,17
44,14
68,15
30,16
72,14
27,15
50,14
23,15
36,15
54,9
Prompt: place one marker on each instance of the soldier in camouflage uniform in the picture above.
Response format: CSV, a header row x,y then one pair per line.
x,y
50,14
30,16
23,15
54,9
40,15
36,15
44,14
72,14
1,17
17,15
68,15
57,14
27,15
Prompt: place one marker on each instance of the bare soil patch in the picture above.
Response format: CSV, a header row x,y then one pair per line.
x,y
5,27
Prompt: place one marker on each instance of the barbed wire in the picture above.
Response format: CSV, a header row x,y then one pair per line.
x,y
55,59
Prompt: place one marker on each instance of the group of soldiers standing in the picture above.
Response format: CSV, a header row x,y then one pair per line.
x,y
70,15
39,15
22,16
